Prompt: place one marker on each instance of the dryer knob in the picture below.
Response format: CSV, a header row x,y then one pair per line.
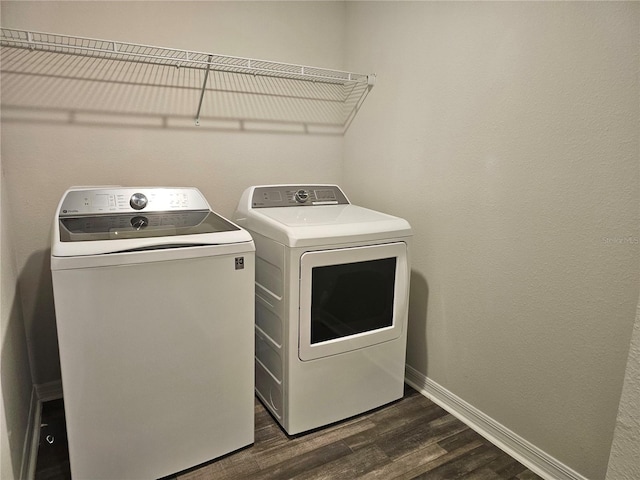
x,y
302,196
138,201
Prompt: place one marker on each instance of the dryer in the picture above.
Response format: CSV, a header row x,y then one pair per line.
x,y
154,308
331,301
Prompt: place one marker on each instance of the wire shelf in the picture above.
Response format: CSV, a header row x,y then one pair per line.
x,y
327,96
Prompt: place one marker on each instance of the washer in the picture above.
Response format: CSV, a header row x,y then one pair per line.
x,y
332,288
153,296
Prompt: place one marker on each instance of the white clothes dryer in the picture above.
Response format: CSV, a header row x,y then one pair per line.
x,y
154,307
332,288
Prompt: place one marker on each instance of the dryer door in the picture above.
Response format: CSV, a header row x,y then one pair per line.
x,y
352,298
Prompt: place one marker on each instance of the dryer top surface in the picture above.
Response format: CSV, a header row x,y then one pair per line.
x,y
326,224
326,215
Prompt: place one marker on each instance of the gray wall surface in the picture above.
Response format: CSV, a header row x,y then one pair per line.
x,y
43,158
506,133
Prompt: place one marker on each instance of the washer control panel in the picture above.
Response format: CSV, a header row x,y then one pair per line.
x,y
297,196
92,201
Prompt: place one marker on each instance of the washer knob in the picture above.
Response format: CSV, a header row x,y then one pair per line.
x,y
139,222
301,196
138,201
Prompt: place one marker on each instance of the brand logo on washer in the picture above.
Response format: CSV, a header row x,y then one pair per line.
x,y
239,263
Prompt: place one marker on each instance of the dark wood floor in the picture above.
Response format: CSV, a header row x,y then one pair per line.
x,y
409,439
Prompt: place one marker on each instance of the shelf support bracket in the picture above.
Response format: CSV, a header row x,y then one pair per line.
x,y
204,86
371,80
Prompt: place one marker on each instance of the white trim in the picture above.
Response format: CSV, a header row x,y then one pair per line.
x,y
522,450
49,391
43,392
32,438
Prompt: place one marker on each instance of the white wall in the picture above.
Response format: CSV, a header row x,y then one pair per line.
x,y
507,134
42,159
15,378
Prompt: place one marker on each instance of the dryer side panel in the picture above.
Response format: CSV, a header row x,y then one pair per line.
x,y
271,326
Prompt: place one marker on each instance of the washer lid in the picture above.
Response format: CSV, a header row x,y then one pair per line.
x,y
142,225
318,225
109,220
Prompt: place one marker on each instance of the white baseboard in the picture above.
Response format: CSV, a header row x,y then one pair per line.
x,y
32,438
39,394
525,452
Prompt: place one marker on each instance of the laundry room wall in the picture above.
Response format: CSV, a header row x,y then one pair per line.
x,y
43,157
15,378
508,135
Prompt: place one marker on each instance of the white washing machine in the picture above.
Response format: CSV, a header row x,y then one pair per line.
x,y
154,306
332,288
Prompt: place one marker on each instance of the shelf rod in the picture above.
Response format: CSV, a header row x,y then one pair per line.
x,y
204,86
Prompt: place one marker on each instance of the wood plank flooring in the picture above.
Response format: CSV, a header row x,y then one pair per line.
x,y
410,439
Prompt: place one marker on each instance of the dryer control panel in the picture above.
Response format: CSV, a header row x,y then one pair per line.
x,y
297,196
